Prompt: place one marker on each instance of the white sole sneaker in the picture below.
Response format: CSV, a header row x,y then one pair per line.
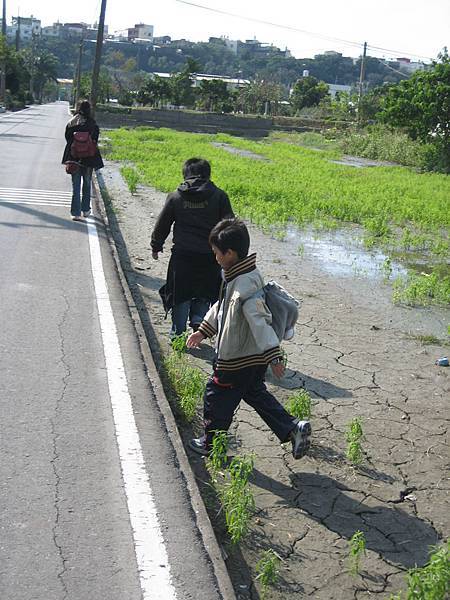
x,y
300,438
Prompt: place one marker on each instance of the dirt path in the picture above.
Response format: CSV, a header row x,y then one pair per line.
x,y
354,354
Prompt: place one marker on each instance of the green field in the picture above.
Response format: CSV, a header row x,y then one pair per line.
x,y
397,206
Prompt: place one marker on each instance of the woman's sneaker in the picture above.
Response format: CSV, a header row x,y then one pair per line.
x,y
86,213
300,438
198,445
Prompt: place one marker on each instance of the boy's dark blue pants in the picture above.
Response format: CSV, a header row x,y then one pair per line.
x,y
220,402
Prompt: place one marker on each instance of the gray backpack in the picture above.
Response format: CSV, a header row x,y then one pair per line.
x,y
284,309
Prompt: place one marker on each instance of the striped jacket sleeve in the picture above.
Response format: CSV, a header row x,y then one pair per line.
x,y
209,325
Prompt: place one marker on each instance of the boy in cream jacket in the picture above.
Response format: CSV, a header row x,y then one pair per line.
x,y
245,345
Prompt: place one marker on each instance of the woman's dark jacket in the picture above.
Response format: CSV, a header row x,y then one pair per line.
x,y
80,123
193,210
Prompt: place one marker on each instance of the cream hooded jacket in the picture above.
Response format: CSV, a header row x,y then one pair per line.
x,y
241,320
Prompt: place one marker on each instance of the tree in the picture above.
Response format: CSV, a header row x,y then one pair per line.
x,y
421,105
259,97
154,91
105,86
213,94
308,91
182,92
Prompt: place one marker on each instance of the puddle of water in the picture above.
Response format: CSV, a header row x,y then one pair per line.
x,y
359,162
340,253
239,151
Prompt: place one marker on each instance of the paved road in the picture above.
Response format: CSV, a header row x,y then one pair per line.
x,y
93,505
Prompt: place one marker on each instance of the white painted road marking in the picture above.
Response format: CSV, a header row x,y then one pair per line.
x,y
151,554
37,197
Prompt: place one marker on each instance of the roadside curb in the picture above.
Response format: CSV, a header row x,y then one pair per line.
x,y
203,523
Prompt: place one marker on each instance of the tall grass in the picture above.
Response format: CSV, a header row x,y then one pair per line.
x,y
294,183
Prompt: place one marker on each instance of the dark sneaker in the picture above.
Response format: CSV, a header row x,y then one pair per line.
x,y
300,438
198,445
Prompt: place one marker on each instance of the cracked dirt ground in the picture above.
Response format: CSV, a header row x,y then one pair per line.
x,y
354,354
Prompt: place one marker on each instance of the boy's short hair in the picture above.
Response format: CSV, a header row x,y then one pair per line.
x,y
231,234
196,167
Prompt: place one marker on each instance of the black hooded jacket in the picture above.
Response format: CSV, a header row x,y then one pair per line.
x,y
194,208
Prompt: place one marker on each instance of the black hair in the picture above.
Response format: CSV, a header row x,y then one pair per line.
x,y
84,108
231,234
196,167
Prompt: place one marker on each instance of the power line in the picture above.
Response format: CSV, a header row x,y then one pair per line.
x,y
297,30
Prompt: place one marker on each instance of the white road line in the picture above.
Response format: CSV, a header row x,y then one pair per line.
x,y
33,191
151,554
35,202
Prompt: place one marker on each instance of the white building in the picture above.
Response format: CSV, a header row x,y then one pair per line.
x,y
25,27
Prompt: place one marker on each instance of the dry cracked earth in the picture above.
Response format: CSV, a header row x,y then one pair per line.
x,y
356,355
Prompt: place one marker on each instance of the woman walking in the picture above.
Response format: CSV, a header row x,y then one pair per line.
x,y
82,155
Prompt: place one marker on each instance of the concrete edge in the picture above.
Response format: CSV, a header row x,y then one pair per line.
x,y
210,543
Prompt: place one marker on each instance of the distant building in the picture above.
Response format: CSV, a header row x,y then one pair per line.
x,y
233,83
140,31
335,88
162,40
23,28
409,66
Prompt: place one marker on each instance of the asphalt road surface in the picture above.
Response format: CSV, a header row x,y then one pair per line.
x,y
93,505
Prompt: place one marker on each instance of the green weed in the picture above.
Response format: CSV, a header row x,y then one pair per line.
x,y
178,343
353,437
431,582
299,405
386,268
131,176
427,340
422,289
267,569
237,499
356,551
188,383
218,456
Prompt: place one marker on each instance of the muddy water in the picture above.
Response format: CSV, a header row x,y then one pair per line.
x,y
341,253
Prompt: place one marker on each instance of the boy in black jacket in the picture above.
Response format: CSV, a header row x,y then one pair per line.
x,y
193,276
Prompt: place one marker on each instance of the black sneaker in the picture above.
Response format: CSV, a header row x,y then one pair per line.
x,y
198,445
300,438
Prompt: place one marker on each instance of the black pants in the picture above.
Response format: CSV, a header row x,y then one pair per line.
x,y
220,402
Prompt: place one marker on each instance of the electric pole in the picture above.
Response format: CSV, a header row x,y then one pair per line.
x,y
3,65
98,56
76,91
361,79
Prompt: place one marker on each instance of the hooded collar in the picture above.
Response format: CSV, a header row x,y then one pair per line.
x,y
245,265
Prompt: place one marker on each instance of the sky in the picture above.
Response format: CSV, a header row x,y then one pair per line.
x,y
392,28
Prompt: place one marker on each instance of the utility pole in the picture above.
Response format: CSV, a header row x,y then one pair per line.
x,y
361,79
3,65
98,56
76,91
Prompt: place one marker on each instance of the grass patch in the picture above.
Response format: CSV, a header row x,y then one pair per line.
x,y
422,289
237,499
299,405
267,569
131,177
188,382
298,185
353,437
431,582
357,549
381,143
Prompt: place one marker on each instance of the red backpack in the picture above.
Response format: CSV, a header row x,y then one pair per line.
x,y
83,146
